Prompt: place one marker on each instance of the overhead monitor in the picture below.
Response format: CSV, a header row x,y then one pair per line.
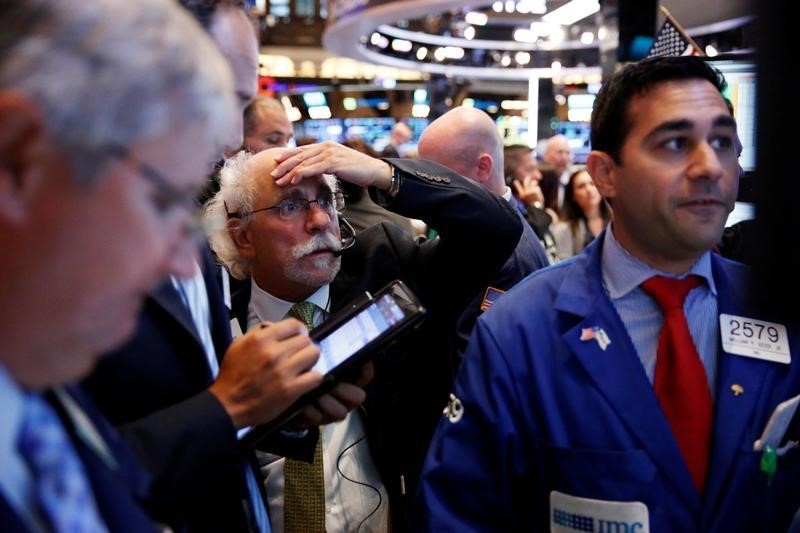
x,y
740,73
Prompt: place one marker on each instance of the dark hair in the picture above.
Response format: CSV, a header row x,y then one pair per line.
x,y
203,10
610,120
571,212
550,184
512,156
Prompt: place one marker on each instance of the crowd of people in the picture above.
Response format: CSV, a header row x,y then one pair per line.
x,y
588,360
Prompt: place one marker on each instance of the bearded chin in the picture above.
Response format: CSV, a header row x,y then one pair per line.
x,y
321,272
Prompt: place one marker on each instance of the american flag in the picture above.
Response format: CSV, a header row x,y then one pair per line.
x,y
672,41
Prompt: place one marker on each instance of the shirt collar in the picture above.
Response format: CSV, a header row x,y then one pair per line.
x,y
269,308
623,272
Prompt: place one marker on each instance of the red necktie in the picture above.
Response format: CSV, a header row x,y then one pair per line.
x,y
680,379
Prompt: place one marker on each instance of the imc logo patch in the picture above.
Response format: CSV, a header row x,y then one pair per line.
x,y
571,513
577,522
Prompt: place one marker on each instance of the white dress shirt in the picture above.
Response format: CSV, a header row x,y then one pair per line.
x,y
344,449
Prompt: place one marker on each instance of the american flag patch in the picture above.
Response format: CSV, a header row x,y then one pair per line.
x,y
490,297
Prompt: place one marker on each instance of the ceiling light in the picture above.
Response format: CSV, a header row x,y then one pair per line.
x,y
294,114
468,102
319,112
469,33
557,35
514,105
420,110
522,58
476,18
572,12
505,61
587,37
422,53
524,35
401,45
350,103
555,65
510,6
497,7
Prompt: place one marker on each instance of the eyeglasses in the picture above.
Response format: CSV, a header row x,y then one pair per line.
x,y
169,200
291,209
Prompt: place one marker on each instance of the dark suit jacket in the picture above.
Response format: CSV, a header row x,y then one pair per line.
x,y
118,488
477,233
529,256
154,390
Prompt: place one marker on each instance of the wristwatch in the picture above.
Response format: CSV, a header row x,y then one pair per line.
x,y
384,198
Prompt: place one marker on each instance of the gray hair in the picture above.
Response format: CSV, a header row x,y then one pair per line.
x,y
230,210
111,72
237,192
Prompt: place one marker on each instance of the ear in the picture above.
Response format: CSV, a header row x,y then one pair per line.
x,y
240,235
602,169
484,166
22,136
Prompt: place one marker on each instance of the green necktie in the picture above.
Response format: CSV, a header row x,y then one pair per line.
x,y
304,483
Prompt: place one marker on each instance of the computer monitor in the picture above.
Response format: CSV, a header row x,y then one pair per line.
x,y
740,74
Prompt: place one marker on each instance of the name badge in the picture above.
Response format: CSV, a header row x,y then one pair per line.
x,y
570,513
754,338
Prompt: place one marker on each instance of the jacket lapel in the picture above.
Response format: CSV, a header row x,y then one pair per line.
x,y
168,297
617,371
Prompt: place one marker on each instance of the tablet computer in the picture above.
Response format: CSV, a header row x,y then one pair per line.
x,y
347,340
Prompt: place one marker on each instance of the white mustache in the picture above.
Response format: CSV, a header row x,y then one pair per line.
x,y
320,241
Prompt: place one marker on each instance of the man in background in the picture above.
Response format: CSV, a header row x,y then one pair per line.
x,y
266,125
523,177
558,153
98,102
476,153
399,136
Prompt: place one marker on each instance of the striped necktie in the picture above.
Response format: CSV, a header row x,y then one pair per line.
x,y
304,483
63,489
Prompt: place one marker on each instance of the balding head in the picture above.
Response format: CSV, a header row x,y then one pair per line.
x,y
266,125
400,134
467,141
558,153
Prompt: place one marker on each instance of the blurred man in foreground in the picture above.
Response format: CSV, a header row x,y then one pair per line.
x,y
97,103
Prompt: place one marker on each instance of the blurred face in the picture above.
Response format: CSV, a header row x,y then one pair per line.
x,y
584,191
273,130
291,259
236,39
558,154
678,176
528,169
93,251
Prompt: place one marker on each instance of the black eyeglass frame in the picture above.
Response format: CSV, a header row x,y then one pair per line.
x,y
337,203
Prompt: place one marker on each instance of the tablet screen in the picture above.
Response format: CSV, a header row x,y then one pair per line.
x,y
354,334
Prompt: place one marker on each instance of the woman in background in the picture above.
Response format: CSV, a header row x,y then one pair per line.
x,y
584,215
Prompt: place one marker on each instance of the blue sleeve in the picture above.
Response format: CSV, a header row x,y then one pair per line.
x,y
476,459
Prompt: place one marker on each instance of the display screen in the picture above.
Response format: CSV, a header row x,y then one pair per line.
x,y
357,332
740,73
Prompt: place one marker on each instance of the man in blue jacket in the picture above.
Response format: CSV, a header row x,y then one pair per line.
x,y
581,405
